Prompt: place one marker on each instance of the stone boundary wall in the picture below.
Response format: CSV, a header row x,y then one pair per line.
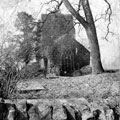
x,y
60,109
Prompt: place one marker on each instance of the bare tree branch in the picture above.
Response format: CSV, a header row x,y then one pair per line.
x,y
75,13
109,13
79,6
58,6
98,18
87,11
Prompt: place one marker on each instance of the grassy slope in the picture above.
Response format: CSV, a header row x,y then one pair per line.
x,y
89,86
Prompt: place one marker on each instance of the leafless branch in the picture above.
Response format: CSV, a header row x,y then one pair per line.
x,y
109,13
98,18
75,13
57,7
79,6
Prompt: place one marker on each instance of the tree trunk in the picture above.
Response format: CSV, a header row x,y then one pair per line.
x,y
93,39
95,58
89,26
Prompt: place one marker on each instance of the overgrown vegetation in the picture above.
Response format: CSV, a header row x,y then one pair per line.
x,y
22,47
9,76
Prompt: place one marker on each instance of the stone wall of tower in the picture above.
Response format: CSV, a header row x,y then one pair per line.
x,y
56,25
58,36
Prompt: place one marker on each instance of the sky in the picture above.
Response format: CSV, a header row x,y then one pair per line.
x,y
34,6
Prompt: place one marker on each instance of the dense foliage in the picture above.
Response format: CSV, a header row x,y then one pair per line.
x,y
25,24
22,47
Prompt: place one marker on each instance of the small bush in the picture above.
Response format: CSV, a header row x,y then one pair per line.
x,y
8,81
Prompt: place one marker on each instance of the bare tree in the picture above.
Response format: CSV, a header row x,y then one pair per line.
x,y
88,24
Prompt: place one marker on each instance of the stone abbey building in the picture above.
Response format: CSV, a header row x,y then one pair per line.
x,y
60,46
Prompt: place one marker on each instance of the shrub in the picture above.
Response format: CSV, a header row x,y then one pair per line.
x,y
8,81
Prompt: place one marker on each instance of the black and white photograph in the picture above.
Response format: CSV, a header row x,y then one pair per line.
x,y
59,59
